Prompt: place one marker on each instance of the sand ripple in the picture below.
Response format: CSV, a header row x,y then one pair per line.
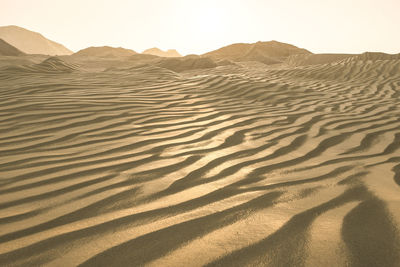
x,y
229,166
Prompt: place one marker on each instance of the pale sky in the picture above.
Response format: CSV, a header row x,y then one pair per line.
x,y
199,26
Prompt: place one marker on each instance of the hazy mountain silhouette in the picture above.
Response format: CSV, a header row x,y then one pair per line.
x,y
8,50
105,51
158,52
271,52
31,42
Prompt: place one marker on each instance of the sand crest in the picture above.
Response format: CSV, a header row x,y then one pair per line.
x,y
144,160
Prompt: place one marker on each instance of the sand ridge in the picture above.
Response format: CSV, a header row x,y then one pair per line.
x,y
136,164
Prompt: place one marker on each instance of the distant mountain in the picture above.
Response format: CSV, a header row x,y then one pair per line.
x,y
31,42
105,51
8,50
271,52
158,52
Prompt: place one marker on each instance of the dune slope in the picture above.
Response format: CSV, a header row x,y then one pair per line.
x,y
186,63
240,165
8,50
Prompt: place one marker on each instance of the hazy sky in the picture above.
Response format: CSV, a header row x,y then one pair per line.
x,y
198,26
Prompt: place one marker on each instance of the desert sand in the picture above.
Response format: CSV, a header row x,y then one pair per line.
x,y
223,159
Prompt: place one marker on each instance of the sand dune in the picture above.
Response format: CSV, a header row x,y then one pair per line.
x,y
136,164
315,59
31,42
377,56
49,65
141,57
187,63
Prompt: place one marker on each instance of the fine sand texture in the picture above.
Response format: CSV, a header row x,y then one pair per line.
x,y
138,161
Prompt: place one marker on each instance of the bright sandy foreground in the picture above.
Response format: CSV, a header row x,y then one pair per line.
x,y
232,166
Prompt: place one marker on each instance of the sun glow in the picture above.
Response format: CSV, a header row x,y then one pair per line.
x,y
209,21
193,26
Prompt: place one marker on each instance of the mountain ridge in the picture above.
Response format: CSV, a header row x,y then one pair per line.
x,y
271,52
158,52
31,42
105,51
8,50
